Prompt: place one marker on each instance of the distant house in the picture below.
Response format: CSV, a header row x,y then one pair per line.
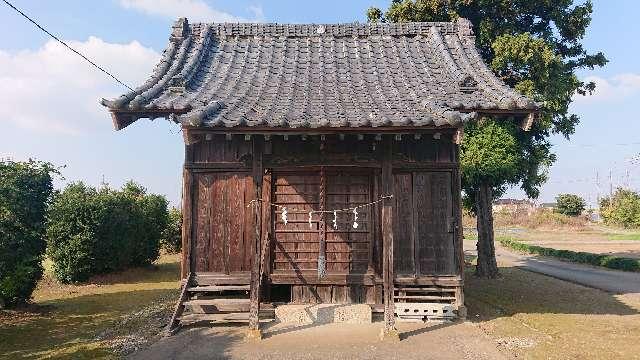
x,y
548,206
513,206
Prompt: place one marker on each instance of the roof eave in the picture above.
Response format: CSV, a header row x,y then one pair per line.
x,y
123,118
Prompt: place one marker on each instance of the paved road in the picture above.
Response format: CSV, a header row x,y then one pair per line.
x,y
619,282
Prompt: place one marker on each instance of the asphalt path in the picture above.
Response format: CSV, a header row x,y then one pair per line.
x,y
619,282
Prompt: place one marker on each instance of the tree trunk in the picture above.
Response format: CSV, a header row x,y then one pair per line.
x,y
486,266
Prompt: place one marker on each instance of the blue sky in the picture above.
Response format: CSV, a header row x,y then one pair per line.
x,y
50,97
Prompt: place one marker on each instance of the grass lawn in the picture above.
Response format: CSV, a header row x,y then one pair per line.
x,y
72,321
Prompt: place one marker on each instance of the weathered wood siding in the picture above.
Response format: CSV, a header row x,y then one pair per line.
x,y
425,242
424,224
223,225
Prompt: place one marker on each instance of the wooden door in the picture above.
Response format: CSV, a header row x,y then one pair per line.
x,y
224,227
423,224
296,245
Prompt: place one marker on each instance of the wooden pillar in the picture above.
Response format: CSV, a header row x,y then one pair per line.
x,y
459,236
389,331
254,305
186,265
322,231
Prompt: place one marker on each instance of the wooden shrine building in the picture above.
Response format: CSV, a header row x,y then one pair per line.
x,y
283,124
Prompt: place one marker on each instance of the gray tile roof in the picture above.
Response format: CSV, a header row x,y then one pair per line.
x,y
316,76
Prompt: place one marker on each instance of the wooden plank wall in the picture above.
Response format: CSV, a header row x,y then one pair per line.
x,y
219,170
424,224
223,225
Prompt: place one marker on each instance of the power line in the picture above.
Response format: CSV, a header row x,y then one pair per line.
x,y
67,46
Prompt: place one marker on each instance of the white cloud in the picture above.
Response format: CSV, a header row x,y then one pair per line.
x,y
53,90
615,88
194,10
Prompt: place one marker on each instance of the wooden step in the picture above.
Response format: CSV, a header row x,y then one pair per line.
x,y
426,289
215,288
226,317
213,306
418,297
217,305
239,278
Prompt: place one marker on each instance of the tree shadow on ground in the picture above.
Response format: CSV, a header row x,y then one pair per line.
x,y
69,326
520,291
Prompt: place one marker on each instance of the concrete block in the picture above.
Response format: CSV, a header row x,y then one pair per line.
x,y
391,335
324,314
253,335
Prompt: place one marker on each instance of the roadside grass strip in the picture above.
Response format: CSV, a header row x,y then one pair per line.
x,y
607,261
630,236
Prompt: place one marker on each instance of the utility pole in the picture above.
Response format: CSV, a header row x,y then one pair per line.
x,y
597,189
610,190
627,182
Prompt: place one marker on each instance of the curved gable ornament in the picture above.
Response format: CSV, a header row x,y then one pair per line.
x,y
468,85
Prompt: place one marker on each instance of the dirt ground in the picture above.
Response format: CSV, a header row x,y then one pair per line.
x,y
333,341
522,315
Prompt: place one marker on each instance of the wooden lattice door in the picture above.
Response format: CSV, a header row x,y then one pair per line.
x,y
297,243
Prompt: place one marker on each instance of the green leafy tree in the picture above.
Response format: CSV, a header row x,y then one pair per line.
x,y
569,204
623,209
25,191
535,47
171,240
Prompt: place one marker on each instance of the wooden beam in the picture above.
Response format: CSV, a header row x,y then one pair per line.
x,y
458,233
528,122
458,137
191,137
187,215
267,211
324,130
256,260
389,331
322,244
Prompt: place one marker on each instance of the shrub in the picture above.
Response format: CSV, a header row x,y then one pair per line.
x,y
171,240
611,262
569,204
539,219
622,210
25,190
99,231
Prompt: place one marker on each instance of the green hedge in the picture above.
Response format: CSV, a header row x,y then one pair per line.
x,y
25,189
611,262
93,231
